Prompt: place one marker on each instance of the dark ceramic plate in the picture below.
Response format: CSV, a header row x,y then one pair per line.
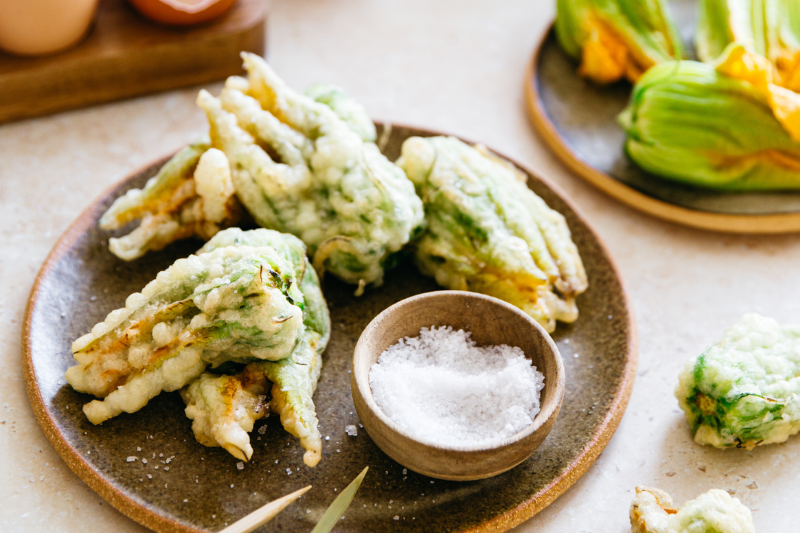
x,y
203,490
578,120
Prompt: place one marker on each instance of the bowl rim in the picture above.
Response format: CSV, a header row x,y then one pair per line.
x,y
546,411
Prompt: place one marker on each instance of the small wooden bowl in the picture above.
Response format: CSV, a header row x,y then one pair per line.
x,y
491,322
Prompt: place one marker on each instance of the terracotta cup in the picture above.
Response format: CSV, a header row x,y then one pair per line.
x,y
37,27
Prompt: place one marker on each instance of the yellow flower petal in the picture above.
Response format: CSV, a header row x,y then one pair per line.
x,y
606,57
739,63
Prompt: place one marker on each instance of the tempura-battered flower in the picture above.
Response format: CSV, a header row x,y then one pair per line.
x,y
223,410
192,195
224,407
318,180
615,39
489,233
652,511
768,28
699,125
351,112
235,303
743,391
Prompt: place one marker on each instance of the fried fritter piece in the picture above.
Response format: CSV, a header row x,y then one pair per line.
x,y
351,112
316,179
192,195
488,232
715,511
743,391
235,303
224,407
223,410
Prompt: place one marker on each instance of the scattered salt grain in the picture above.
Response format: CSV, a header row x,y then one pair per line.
x,y
444,389
144,461
240,465
131,458
262,430
351,430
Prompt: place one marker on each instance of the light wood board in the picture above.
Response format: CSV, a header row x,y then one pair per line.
x,y
126,55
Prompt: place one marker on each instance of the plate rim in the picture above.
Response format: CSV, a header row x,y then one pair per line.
x,y
147,517
718,222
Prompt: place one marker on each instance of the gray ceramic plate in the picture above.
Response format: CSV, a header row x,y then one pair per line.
x,y
579,121
203,490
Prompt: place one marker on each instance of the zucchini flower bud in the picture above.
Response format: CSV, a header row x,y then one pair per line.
x,y
725,128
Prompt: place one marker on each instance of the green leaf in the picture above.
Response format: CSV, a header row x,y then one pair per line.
x,y
339,505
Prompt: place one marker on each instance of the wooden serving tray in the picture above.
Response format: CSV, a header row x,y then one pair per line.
x,y
127,55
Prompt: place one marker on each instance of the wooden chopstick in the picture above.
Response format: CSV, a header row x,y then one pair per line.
x,y
262,515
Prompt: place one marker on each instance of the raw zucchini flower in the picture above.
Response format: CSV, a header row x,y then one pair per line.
x,y
743,391
715,511
489,233
769,28
615,39
690,122
235,303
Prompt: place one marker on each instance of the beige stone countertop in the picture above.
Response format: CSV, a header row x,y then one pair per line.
x,y
457,66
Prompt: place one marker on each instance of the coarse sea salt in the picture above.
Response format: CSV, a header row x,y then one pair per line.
x,y
443,389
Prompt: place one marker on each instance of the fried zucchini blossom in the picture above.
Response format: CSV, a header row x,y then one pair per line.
x,y
617,39
489,233
191,196
716,511
247,297
744,391
299,168
224,408
304,164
